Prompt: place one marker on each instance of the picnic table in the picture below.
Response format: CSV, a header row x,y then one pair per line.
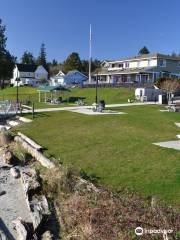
x,y
173,107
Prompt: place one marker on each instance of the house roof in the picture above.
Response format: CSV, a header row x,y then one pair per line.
x,y
26,67
60,73
145,56
75,72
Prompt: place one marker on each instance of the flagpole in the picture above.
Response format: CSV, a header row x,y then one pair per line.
x,y
90,53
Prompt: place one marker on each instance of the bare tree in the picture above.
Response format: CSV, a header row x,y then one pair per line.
x,y
170,85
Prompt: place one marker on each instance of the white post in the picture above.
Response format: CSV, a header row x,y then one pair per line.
x,y
90,53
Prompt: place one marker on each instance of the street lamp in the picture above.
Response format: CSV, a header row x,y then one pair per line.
x,y
97,78
17,90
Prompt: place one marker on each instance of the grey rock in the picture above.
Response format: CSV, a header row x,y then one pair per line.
x,y
30,179
4,137
15,172
2,193
20,228
47,236
39,208
7,157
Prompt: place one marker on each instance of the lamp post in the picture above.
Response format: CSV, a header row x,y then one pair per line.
x,y
97,78
17,90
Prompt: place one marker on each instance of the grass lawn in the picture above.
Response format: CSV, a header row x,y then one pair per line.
x,y
117,149
110,95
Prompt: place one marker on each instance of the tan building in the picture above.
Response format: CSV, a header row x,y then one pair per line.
x,y
139,69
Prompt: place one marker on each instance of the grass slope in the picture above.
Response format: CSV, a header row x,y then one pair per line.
x,y
110,95
117,149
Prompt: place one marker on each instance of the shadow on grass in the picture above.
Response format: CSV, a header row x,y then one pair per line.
x,y
36,115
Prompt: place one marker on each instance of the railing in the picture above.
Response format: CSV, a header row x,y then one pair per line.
x,y
116,85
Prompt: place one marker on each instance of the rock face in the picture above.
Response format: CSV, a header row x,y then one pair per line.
x,y
5,138
37,204
47,236
30,180
7,157
20,228
39,208
15,172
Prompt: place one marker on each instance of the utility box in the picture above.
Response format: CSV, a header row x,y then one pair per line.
x,y
162,99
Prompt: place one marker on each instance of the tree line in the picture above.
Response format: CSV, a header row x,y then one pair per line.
x,y
73,62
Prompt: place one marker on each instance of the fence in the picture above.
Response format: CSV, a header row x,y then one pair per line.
x,y
116,85
22,97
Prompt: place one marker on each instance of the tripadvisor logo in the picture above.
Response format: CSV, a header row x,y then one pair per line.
x,y
140,231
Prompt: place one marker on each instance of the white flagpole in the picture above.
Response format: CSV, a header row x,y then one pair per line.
x,y
90,53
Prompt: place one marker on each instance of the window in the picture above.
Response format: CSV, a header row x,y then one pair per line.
x,y
162,63
121,65
113,65
149,61
179,64
126,64
138,64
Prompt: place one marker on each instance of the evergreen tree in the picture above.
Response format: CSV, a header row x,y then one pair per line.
x,y
73,62
42,56
7,61
173,54
94,65
27,58
143,50
54,62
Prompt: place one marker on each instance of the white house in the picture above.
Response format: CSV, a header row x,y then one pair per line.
x,y
28,74
57,79
144,68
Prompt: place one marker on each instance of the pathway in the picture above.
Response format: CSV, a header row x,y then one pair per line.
x,y
86,107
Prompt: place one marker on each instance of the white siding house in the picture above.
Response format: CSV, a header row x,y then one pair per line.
x,y
57,79
144,68
28,74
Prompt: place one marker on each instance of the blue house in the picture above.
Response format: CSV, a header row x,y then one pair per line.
x,y
75,77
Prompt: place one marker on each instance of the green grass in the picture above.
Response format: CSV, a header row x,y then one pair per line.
x,y
117,149
110,95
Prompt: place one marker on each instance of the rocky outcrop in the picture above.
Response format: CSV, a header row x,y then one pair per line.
x,y
5,137
30,180
7,156
37,203
47,236
20,229
15,172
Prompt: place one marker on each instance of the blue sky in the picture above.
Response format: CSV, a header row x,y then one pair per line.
x,y
120,28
